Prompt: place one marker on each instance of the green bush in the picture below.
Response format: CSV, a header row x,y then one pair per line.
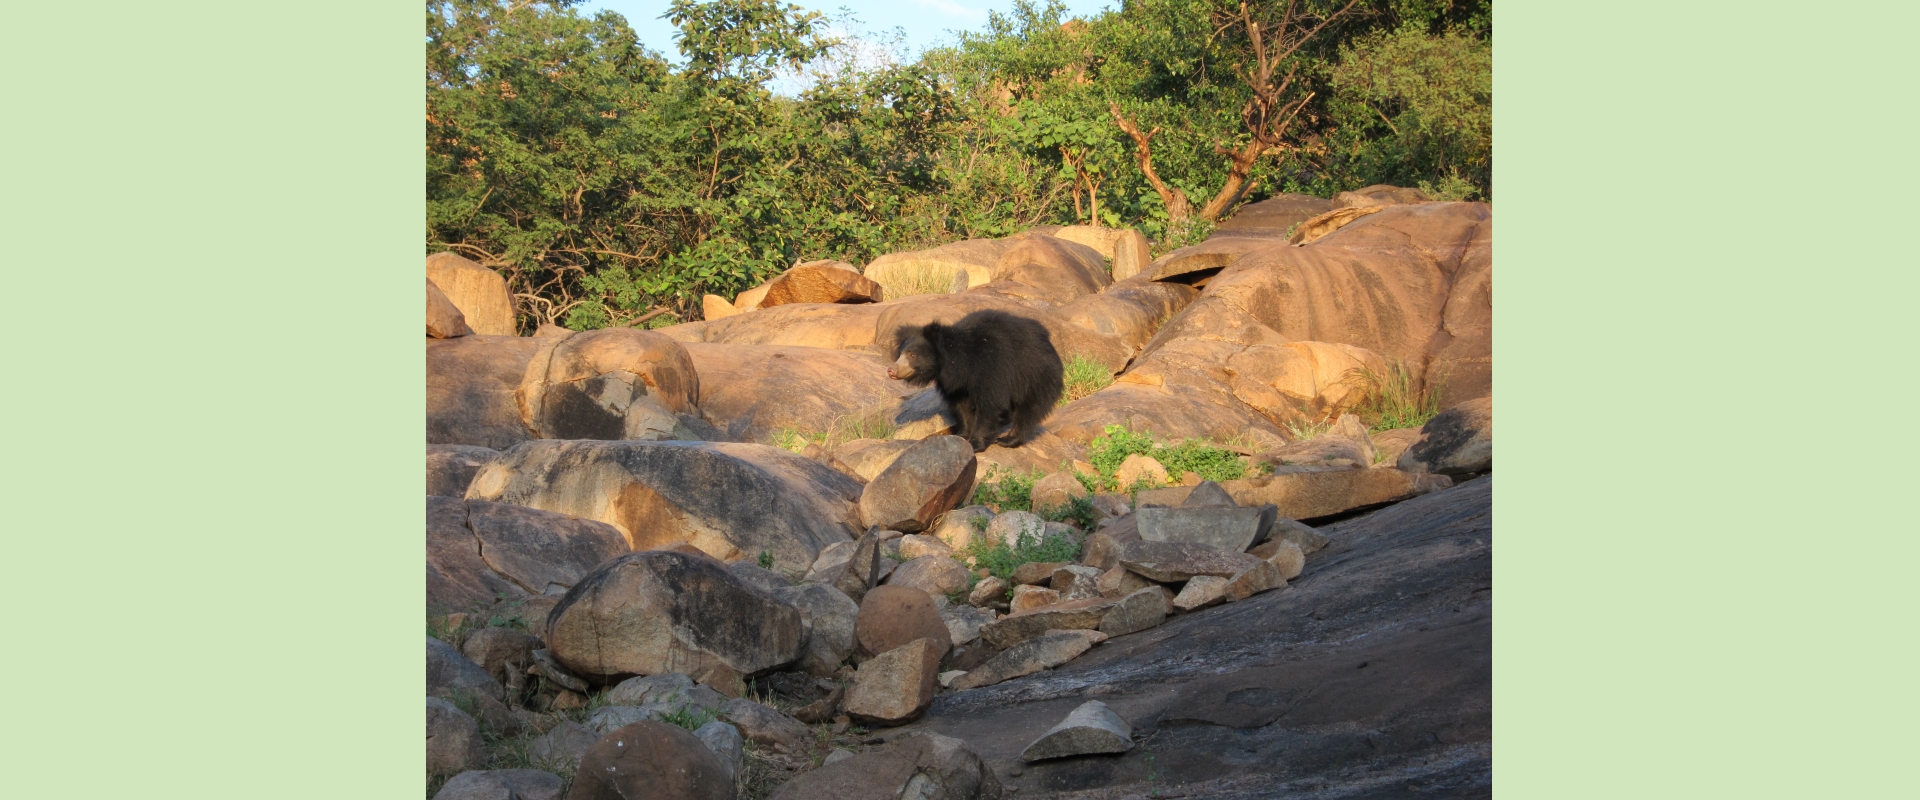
x,y
1396,400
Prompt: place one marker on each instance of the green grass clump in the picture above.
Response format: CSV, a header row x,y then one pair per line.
x,y
1107,451
1000,559
905,280
689,717
872,423
1396,400
1083,377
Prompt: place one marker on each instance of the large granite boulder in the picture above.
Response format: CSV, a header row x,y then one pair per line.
x,y
751,391
730,500
607,384
1274,217
444,320
830,326
479,551
451,467
479,293
661,611
651,759
1457,441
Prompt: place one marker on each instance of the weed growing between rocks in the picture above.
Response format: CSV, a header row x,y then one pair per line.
x,y
905,280
1006,490
1083,376
1107,451
1396,400
1000,559
872,423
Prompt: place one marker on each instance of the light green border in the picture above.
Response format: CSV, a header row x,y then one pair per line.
x,y
1704,320
212,219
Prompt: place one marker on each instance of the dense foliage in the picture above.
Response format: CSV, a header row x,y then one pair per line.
x,y
609,184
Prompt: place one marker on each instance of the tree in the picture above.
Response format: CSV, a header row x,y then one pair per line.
x,y
1262,54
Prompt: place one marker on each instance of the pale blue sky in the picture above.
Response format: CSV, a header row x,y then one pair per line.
x,y
925,22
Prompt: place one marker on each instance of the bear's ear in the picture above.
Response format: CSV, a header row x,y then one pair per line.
x,y
935,334
902,335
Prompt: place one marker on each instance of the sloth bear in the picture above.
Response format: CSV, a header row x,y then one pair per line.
x,y
998,372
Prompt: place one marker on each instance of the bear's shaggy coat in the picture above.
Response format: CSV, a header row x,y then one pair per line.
x,y
998,372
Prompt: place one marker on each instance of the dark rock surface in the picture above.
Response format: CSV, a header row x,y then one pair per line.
x,y
1370,677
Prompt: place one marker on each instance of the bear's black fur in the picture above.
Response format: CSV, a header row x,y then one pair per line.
x,y
998,372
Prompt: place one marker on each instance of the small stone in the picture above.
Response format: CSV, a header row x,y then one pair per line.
x,y
1011,527
502,784
1036,572
1208,494
1253,581
928,479
567,700
650,689
1108,507
563,744
1200,592
936,575
1057,491
988,590
1046,651
765,726
964,622
893,616
1143,609
1284,555
453,739
1309,540
1138,468
838,754
842,723
1190,479
1173,562
1091,728
895,687
916,545
1120,582
958,527
552,670
1027,598
725,742
1075,582
1222,528
1069,615
947,678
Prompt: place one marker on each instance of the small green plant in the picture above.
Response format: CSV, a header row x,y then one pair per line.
x,y
1005,490
1396,400
1077,511
872,423
1304,431
1083,376
1001,559
687,716
1109,450
766,559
